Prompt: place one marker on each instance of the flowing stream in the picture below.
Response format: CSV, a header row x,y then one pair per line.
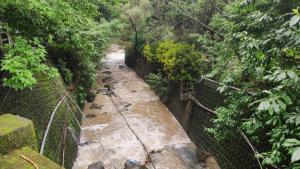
x,y
121,94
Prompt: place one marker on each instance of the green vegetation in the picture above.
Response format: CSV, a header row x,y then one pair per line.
x,y
253,45
22,62
250,44
48,39
159,84
260,53
72,35
180,61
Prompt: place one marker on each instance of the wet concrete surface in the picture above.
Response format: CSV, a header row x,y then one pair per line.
x,y
164,138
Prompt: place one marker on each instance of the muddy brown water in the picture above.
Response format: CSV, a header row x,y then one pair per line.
x,y
153,123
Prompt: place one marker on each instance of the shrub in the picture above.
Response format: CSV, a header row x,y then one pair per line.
x,y
159,84
180,61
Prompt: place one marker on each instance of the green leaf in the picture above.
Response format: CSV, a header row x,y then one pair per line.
x,y
275,107
270,110
296,155
264,105
294,20
292,75
291,142
297,121
281,76
281,105
287,99
268,161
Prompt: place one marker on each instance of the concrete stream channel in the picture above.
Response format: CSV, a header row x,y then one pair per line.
x,y
121,94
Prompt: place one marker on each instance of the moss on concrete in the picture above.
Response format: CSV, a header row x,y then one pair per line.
x,y
16,132
15,161
37,104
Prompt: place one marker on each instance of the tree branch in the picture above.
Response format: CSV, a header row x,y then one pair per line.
x,y
195,19
133,25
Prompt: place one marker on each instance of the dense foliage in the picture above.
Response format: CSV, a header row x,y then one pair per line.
x,y
22,62
250,44
79,33
159,84
180,61
259,53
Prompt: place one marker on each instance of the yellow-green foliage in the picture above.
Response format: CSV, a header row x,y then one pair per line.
x,y
149,53
180,61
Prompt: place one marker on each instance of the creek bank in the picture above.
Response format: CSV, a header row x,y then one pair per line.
x,y
178,107
234,153
131,120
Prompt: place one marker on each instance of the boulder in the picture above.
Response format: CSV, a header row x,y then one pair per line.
x,y
90,97
96,165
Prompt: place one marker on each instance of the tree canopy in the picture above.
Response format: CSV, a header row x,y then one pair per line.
x,y
71,36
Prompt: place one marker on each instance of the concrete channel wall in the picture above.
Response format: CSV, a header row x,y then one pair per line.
x,y
232,154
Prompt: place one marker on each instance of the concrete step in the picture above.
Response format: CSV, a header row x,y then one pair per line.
x,y
26,158
16,132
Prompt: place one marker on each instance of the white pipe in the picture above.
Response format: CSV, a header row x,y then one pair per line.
x,y
49,124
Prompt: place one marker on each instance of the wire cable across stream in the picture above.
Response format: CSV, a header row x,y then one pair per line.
x,y
131,129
